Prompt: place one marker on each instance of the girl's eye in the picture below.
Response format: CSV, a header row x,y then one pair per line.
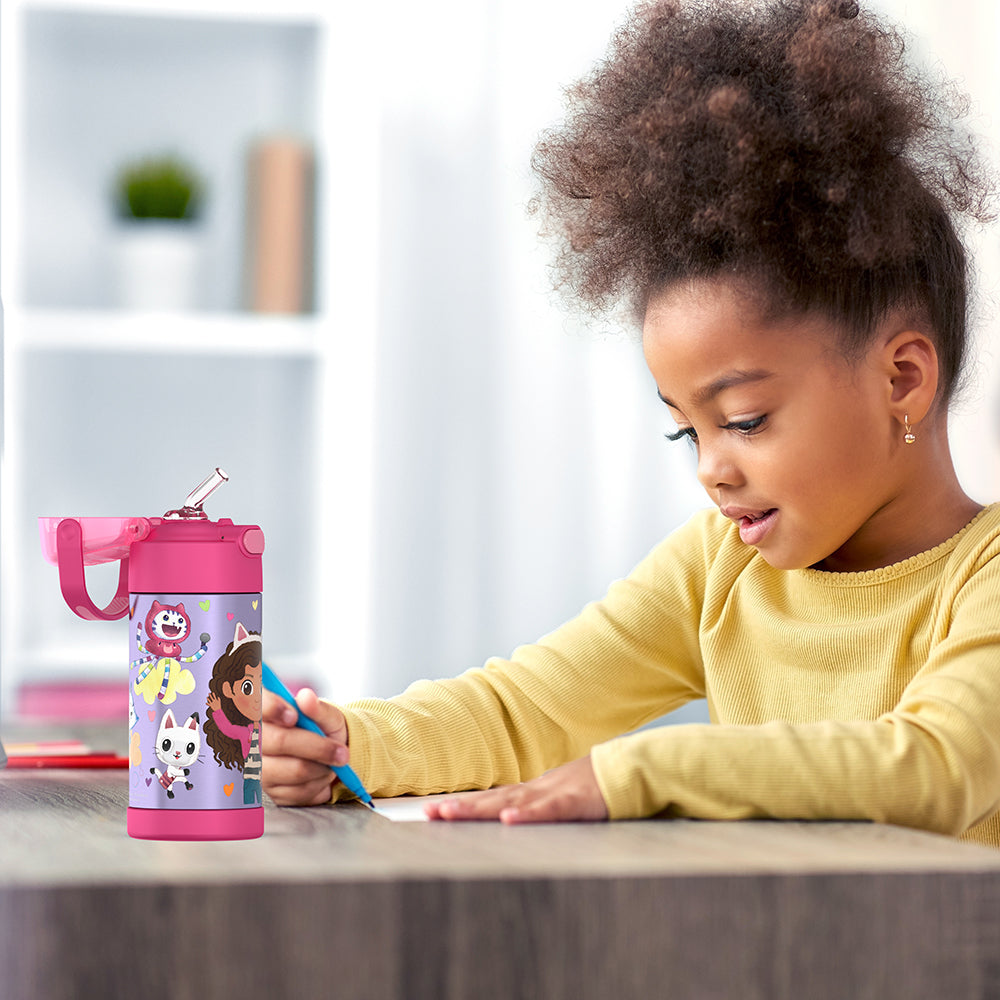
x,y
247,688
683,432
747,427
744,427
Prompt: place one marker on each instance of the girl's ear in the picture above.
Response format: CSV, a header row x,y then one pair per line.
x,y
911,363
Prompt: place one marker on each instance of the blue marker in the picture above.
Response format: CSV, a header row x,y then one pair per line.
x,y
343,771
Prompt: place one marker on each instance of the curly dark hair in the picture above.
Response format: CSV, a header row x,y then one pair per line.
x,y
231,667
784,144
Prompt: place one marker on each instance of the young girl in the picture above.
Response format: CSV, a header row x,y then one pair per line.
x,y
775,192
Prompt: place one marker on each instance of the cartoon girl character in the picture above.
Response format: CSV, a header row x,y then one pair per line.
x,y
232,726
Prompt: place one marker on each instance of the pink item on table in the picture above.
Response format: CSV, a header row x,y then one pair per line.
x,y
191,588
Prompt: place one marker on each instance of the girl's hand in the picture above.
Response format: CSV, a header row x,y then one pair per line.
x,y
297,763
214,702
569,792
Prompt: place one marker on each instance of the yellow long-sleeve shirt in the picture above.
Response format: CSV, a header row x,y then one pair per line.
x,y
872,695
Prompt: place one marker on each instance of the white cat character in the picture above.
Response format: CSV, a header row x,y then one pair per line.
x,y
178,747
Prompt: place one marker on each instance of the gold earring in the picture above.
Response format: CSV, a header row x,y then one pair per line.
x,y
908,436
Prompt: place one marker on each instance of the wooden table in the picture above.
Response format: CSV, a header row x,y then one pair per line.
x,y
341,902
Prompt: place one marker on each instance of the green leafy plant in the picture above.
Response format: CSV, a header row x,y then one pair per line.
x,y
158,188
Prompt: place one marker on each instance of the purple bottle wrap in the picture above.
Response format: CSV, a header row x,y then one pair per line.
x,y
195,659
188,694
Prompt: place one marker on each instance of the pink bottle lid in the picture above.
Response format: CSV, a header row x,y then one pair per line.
x,y
181,552
186,557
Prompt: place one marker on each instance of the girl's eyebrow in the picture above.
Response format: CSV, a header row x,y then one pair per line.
x,y
707,393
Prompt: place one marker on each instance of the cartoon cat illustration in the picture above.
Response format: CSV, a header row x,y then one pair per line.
x,y
177,746
166,626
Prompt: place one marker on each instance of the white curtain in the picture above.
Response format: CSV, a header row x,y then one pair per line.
x,y
960,41
520,460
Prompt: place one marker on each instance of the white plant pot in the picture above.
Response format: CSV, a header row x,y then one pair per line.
x,y
158,265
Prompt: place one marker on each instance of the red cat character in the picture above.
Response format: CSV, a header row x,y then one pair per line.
x,y
166,628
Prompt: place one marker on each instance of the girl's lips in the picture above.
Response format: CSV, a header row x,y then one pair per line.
x,y
753,530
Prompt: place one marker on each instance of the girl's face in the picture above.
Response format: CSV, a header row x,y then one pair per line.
x,y
795,443
247,692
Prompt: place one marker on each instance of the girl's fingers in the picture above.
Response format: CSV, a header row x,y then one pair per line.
x,y
569,792
296,781
528,802
547,808
280,741
297,761
292,771
325,714
276,710
474,805
311,793
507,808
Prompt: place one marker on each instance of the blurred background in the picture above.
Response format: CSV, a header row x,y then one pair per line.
x,y
346,307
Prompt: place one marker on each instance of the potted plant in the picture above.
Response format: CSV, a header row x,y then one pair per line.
x,y
158,202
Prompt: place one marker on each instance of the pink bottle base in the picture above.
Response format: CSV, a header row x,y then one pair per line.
x,y
195,824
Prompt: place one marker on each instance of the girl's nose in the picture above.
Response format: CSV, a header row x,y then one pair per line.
x,y
716,467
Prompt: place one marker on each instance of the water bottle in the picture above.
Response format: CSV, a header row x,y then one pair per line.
x,y
192,590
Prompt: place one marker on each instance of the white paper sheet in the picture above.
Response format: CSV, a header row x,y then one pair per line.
x,y
407,808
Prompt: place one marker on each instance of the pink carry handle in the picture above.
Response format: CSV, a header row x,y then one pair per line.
x,y
73,583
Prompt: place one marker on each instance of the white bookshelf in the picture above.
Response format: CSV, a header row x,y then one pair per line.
x,y
109,411
35,331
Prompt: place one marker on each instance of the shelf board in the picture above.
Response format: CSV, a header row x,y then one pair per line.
x,y
91,330
243,10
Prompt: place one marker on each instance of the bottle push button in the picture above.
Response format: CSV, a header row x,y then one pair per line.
x,y
252,542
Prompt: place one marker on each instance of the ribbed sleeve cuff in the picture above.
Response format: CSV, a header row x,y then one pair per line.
x,y
623,784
